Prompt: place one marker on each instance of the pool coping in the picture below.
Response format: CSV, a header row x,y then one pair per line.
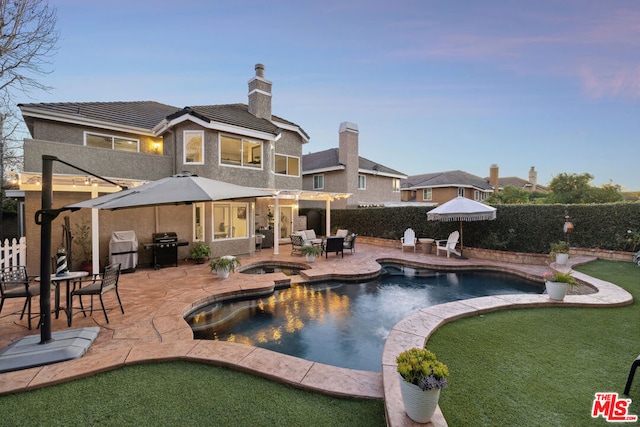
x,y
156,333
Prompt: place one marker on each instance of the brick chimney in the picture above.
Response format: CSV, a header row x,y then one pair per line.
x,y
260,94
348,154
533,178
494,177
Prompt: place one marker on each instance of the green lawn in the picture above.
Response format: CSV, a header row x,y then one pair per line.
x,y
528,367
183,394
541,367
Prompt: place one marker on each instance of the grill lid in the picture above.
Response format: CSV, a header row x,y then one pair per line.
x,y
169,236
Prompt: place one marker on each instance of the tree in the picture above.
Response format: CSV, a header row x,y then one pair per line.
x,y
509,195
574,188
28,39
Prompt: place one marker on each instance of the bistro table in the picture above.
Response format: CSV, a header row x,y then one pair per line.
x,y
66,277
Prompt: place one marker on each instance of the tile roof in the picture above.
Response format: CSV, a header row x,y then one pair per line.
x,y
140,114
320,160
377,167
330,159
148,114
444,179
235,114
514,181
519,183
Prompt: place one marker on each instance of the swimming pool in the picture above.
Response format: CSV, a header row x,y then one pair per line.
x,y
345,324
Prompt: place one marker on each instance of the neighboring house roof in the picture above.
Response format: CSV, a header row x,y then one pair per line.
x,y
517,182
321,161
368,166
513,181
328,160
456,178
153,117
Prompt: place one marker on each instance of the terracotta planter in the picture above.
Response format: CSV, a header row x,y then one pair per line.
x,y
420,405
556,290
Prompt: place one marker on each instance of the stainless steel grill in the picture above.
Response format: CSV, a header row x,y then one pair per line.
x,y
165,249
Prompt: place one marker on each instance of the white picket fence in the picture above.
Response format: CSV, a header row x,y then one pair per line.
x,y
13,252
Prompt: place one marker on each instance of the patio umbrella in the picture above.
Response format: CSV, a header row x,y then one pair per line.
x,y
176,189
462,209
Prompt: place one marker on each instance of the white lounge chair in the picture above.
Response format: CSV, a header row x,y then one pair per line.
x,y
449,245
409,239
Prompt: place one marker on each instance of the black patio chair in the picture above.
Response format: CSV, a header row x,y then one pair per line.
x,y
333,244
16,283
350,242
99,285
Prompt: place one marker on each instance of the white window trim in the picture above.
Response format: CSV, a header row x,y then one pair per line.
x,y
242,140
184,147
202,222
137,141
461,191
287,158
314,182
231,205
395,185
428,191
364,182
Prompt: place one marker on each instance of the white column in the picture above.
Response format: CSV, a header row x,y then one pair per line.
x,y
276,227
95,236
327,208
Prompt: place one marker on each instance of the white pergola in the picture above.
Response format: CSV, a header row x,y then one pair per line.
x,y
95,186
327,197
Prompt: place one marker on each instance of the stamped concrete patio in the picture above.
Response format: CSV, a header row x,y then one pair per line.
x,y
153,327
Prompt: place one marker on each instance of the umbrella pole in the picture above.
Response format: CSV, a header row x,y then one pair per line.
x,y
461,243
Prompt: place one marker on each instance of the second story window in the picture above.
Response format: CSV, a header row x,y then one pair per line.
x,y
427,194
287,165
240,152
193,147
111,142
395,185
318,182
461,191
362,182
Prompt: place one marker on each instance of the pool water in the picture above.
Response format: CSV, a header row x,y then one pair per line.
x,y
345,324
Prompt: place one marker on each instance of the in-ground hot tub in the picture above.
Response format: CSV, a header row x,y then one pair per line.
x,y
288,268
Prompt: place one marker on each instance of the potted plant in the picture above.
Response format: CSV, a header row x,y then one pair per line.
x,y
422,378
224,265
82,238
311,252
200,252
557,284
560,252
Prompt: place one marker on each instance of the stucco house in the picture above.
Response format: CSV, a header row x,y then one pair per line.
x,y
342,170
440,187
136,142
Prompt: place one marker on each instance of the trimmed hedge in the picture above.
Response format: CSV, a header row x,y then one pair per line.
x,y
518,228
